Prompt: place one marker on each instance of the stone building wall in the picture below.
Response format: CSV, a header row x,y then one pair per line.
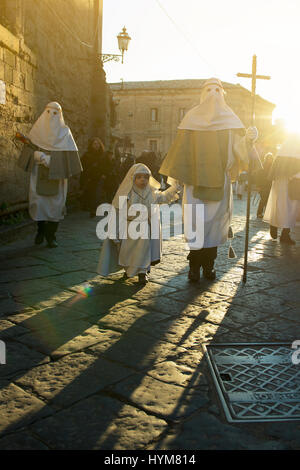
x,y
172,99
46,54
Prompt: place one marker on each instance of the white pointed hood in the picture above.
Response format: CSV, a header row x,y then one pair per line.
x,y
212,114
50,132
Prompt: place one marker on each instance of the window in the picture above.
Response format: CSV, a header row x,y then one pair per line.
x,y
153,145
154,114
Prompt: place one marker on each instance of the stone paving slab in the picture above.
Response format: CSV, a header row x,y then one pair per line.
x,y
18,318
173,373
197,296
19,408
138,350
231,316
50,298
290,293
20,262
105,423
255,276
184,331
263,302
32,272
163,399
236,288
67,337
206,432
152,290
71,279
72,378
9,305
292,314
193,358
10,330
178,281
170,307
275,329
287,432
92,286
20,358
19,288
132,316
21,440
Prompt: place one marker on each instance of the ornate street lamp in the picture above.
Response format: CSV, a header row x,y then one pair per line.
x,y
123,42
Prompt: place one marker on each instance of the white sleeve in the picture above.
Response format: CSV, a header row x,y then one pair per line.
x,y
168,196
46,160
41,158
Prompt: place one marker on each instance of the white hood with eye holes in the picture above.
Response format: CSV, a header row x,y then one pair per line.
x,y
50,132
212,114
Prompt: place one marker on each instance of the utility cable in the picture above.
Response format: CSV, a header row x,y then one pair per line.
x,y
185,36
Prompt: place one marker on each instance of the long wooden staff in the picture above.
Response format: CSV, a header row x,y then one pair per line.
x,y
254,77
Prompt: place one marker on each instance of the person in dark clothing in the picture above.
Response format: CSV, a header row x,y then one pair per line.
x,y
264,184
112,180
126,162
96,169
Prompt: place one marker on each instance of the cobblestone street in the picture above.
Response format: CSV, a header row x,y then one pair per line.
x,y
94,363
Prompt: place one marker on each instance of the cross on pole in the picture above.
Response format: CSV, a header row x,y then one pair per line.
x,y
253,77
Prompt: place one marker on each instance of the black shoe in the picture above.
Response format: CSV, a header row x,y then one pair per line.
x,y
287,240
273,232
50,231
143,279
39,239
194,275
52,244
209,274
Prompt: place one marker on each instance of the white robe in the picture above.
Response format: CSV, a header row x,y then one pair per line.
x,y
217,214
281,211
135,256
217,217
47,208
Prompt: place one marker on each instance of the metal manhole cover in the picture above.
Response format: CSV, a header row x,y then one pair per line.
x,y
256,382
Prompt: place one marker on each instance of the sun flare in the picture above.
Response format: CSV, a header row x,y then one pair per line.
x,y
290,121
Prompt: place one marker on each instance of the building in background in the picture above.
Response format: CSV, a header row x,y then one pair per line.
x,y
49,51
148,113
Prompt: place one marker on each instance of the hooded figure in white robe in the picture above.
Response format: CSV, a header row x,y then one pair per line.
x,y
210,150
134,245
51,158
283,205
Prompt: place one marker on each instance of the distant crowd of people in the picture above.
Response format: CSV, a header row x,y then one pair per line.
x,y
103,171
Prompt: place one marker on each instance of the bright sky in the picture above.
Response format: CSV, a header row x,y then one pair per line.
x,y
182,39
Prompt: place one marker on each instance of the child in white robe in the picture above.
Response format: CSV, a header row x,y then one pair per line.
x,y
121,250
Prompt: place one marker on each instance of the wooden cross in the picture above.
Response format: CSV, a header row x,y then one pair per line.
x,y
254,77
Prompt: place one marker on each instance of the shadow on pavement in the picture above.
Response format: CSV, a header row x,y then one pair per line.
x,y
138,353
